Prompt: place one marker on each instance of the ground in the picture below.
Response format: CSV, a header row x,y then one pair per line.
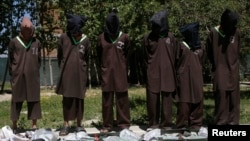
x,y
5,97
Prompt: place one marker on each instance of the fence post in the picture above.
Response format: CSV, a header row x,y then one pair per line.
x,y
5,74
51,72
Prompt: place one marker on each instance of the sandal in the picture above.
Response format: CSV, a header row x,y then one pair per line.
x,y
64,131
15,131
79,129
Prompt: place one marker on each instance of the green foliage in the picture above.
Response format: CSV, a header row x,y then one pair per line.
x,y
11,13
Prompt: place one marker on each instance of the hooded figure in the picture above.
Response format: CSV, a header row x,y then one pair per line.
x,y
75,23
191,35
72,56
112,51
190,80
229,21
159,23
159,47
27,29
223,52
24,63
112,25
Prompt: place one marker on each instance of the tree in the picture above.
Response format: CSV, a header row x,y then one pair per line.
x,y
134,16
11,13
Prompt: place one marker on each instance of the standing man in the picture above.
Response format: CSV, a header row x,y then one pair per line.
x,y
24,64
159,54
112,50
223,50
72,57
190,79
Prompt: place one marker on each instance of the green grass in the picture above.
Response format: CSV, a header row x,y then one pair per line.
x,y
52,109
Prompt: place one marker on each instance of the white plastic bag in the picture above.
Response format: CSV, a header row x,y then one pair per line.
x,y
8,134
46,135
203,132
129,135
153,134
79,136
113,138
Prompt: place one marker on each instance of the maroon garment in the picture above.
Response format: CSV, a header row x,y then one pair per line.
x,y
189,74
113,59
223,54
189,115
73,67
121,100
73,108
24,65
114,72
190,87
34,110
227,107
159,55
159,108
224,58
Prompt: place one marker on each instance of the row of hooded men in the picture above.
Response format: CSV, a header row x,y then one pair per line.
x,y
172,66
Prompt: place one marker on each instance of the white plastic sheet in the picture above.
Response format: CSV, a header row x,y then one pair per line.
x,y
8,135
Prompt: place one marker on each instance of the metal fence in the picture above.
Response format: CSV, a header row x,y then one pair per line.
x,y
49,72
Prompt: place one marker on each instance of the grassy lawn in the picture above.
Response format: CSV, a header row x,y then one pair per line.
x,y
52,109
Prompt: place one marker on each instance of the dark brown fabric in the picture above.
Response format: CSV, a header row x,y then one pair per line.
x,y
113,63
122,109
190,87
73,108
24,65
189,74
72,60
189,115
224,58
159,107
227,107
113,57
159,55
34,110
224,54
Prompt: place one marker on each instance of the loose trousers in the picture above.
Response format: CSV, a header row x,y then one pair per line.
x,y
189,115
227,107
122,109
159,107
34,110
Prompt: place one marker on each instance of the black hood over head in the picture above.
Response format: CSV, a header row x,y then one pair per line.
x,y
229,21
75,23
191,35
112,24
159,22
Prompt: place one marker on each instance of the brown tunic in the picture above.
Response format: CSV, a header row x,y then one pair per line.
x,y
224,58
24,65
73,67
189,75
160,59
113,59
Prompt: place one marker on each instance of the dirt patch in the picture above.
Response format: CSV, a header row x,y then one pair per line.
x,y
5,97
